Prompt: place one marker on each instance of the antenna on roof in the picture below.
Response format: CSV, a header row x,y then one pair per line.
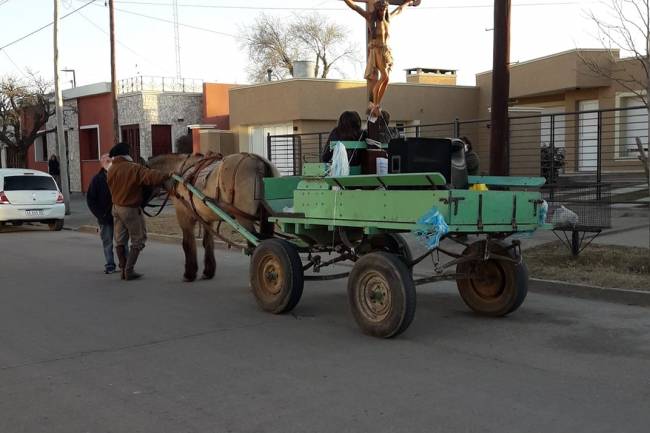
x,y
177,41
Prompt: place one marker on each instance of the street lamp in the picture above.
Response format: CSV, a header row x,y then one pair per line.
x,y
74,76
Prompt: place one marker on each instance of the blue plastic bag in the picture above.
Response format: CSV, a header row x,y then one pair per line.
x,y
543,213
431,228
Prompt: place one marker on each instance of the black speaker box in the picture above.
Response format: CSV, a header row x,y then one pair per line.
x,y
420,155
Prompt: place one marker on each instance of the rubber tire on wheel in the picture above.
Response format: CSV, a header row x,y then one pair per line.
x,y
394,310
393,243
56,226
504,292
276,276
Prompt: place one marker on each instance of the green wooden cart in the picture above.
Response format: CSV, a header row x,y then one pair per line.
x,y
324,220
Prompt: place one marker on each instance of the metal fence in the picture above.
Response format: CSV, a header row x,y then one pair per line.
x,y
159,84
587,147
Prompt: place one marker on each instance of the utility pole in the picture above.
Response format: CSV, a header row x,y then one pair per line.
x,y
60,133
116,125
3,155
499,132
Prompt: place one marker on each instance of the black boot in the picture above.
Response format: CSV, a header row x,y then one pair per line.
x,y
121,259
129,273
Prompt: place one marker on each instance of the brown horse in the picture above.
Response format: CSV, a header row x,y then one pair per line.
x,y
235,184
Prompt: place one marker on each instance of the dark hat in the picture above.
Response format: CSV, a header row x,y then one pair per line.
x,y
120,149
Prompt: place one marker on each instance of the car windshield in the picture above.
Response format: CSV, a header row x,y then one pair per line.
x,y
29,183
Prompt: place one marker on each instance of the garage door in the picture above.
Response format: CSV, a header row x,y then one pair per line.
x,y
282,149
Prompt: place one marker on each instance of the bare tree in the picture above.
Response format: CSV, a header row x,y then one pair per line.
x,y
270,47
325,40
25,107
274,45
627,28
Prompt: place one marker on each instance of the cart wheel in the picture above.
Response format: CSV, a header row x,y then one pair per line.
x,y
382,295
498,287
276,276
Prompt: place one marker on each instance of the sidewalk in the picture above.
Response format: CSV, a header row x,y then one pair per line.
x,y
79,213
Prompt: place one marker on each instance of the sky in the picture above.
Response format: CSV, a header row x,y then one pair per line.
x,y
453,34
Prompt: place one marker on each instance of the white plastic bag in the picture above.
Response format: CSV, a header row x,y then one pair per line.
x,y
340,164
564,217
382,166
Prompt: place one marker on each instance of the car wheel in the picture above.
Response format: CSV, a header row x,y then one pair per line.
x,y
56,226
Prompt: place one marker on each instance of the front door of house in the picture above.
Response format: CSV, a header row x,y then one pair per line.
x,y
131,135
588,136
161,139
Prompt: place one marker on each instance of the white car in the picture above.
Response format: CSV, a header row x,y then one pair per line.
x,y
30,195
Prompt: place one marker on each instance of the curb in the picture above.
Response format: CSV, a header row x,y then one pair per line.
x,y
623,230
167,239
574,290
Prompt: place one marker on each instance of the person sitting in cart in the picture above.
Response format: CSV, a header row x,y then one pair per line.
x,y
471,158
348,129
125,181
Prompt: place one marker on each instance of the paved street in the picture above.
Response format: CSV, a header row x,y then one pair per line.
x,y
83,352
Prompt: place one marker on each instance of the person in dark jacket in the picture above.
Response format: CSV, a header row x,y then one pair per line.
x,y
471,158
347,129
100,203
54,169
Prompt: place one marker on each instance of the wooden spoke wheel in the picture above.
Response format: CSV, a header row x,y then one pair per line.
x,y
495,287
382,295
276,276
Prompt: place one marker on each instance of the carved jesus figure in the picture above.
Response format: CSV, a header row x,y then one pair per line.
x,y
380,57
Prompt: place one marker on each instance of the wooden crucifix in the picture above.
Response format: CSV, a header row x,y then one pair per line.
x,y
379,56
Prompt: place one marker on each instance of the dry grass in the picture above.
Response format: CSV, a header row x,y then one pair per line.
x,y
598,265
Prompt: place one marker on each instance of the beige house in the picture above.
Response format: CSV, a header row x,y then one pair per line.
x,y
592,116
303,106
546,95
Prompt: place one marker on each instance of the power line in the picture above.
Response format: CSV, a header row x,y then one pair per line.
x,y
45,26
3,2
285,8
180,24
123,45
12,60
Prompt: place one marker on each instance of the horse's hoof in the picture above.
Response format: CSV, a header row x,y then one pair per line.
x,y
188,279
207,277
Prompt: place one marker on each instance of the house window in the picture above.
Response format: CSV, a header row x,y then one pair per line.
x,y
633,123
553,126
89,143
40,148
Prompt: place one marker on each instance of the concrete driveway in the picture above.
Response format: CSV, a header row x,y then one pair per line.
x,y
83,352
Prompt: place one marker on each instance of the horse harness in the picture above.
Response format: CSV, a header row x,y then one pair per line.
x,y
202,170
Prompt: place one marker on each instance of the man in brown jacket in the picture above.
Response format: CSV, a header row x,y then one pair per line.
x,y
125,180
